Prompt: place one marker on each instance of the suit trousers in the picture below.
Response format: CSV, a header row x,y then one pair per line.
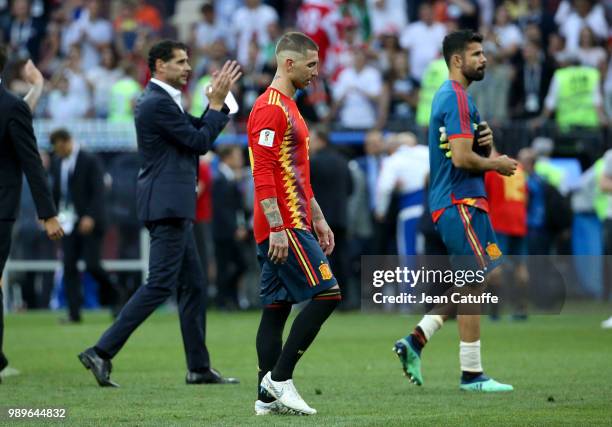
x,y
174,263
88,247
6,230
230,267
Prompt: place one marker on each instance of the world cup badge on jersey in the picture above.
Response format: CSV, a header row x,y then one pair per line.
x,y
493,251
266,138
325,271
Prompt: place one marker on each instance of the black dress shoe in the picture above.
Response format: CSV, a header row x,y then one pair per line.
x,y
212,376
100,368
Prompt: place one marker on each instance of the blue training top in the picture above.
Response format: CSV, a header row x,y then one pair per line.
x,y
455,110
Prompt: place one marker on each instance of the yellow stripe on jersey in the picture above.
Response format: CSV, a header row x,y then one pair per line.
x,y
251,160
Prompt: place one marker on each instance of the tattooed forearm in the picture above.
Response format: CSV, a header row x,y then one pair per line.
x,y
271,211
317,214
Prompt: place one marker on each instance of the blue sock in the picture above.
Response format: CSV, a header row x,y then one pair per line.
x,y
470,377
414,343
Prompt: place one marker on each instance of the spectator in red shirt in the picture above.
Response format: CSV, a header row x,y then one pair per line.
x,y
507,197
201,225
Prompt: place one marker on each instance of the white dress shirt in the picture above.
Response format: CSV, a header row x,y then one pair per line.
x,y
175,94
67,215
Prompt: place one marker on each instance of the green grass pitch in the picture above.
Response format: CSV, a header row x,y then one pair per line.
x,y
560,366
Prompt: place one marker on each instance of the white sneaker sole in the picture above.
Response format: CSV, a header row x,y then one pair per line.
x,y
276,409
266,384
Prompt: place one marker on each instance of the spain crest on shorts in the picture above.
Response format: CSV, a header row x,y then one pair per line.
x,y
493,251
325,271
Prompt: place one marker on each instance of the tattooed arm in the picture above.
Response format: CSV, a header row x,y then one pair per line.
x,y
278,243
324,232
272,213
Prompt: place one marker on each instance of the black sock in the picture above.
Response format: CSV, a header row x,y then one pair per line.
x,y
469,376
419,339
102,353
269,341
303,331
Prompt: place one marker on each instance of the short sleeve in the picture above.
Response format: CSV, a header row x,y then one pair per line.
x,y
266,132
456,114
270,117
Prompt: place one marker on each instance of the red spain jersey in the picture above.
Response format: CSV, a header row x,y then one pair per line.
x,y
507,197
278,150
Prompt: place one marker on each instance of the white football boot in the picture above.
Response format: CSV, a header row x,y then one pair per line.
x,y
286,394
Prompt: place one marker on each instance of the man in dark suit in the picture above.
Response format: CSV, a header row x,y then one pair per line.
x,y
18,156
22,32
169,143
229,229
531,83
331,181
78,191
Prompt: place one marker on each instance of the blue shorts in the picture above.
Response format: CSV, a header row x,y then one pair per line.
x,y
513,246
305,274
469,238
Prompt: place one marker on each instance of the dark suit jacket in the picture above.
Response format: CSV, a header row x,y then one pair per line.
x,y
517,93
37,33
169,143
227,206
19,155
86,186
332,185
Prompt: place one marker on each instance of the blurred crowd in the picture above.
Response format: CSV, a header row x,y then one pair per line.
x,y
380,59
547,93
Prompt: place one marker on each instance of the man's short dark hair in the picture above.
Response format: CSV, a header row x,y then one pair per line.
x,y
164,50
58,135
457,42
226,150
296,42
3,57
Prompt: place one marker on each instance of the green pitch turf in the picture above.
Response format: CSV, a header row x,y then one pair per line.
x,y
560,366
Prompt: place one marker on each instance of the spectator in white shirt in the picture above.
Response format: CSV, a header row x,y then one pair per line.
x,y
252,21
403,173
589,53
101,79
207,30
73,70
508,35
387,16
571,17
422,40
90,31
64,105
357,93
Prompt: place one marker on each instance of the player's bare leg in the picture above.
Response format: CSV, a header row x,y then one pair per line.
x,y
472,375
408,349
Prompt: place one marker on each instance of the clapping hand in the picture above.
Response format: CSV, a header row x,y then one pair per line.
x,y
32,74
222,81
